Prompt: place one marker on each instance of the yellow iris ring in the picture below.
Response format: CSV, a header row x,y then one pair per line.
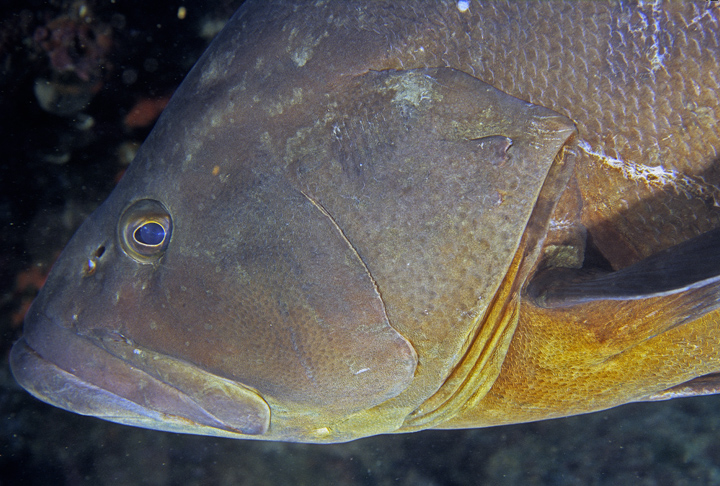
x,y
133,218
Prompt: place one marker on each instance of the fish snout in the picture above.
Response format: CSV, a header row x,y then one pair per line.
x,y
126,384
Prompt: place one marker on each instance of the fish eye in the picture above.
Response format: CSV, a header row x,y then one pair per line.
x,y
149,234
145,229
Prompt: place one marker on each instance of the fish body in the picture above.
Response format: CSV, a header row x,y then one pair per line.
x,y
344,222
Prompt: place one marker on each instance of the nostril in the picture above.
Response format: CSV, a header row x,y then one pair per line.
x,y
91,263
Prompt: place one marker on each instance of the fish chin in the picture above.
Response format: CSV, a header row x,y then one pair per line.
x,y
78,374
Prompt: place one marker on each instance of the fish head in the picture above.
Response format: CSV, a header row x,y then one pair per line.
x,y
206,292
157,318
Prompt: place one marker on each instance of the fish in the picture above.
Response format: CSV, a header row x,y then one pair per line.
x,y
359,218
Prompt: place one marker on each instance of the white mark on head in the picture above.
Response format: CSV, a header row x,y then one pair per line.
x,y
463,5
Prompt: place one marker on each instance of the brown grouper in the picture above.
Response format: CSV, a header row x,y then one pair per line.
x,y
367,217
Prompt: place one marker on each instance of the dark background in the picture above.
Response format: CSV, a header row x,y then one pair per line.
x,y
115,64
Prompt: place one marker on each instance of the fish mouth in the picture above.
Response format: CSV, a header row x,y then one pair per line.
x,y
110,378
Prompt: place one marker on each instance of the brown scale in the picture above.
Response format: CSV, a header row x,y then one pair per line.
x,y
642,87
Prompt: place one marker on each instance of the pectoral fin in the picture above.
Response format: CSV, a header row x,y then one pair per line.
x,y
692,264
702,385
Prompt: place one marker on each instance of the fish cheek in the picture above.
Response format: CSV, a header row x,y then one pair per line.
x,y
280,302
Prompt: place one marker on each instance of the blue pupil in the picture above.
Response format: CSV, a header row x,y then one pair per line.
x,y
150,234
